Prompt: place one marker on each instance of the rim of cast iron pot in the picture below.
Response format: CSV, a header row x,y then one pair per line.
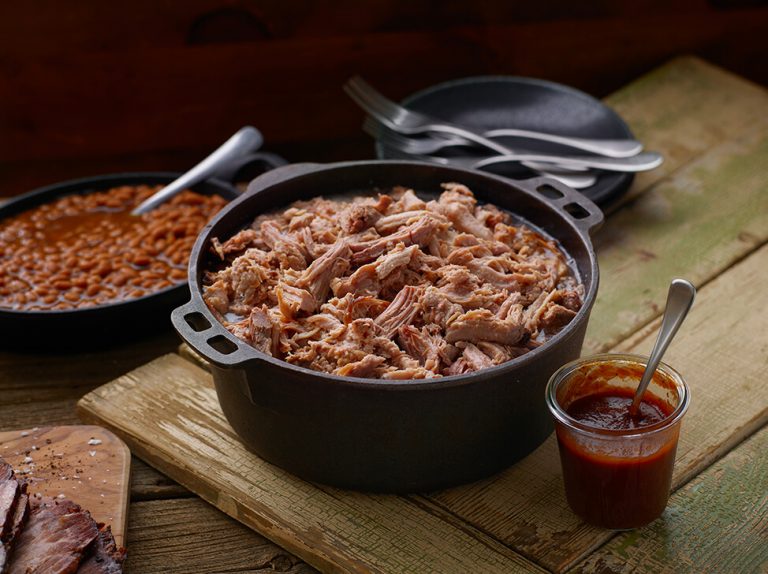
x,y
393,384
128,178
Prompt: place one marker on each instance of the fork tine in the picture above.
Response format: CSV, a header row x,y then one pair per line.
x,y
375,103
370,107
372,95
360,91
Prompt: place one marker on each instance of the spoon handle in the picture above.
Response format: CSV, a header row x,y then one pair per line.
x,y
244,141
608,148
679,301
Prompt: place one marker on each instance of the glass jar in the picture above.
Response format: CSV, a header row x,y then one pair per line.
x,y
617,478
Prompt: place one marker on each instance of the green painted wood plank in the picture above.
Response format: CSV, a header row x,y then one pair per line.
x,y
717,523
684,108
694,224
721,351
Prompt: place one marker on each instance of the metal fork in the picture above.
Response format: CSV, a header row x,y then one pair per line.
x,y
389,139
364,94
572,180
405,121
393,139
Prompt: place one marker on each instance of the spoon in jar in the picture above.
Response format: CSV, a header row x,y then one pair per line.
x,y
679,301
244,141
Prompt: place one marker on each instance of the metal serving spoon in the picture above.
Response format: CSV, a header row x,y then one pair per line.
x,y
679,301
245,140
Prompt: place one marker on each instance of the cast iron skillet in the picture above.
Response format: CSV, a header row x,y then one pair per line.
x,y
378,435
106,324
491,102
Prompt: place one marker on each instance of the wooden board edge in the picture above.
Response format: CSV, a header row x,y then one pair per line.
x,y
145,451
270,527
126,483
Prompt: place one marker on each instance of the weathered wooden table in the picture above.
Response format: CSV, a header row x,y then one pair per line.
x,y
703,216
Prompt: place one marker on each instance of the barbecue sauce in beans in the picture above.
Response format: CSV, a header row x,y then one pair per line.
x,y
85,250
616,489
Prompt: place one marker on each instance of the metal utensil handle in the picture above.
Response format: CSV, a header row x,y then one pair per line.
x,y
575,206
575,179
640,162
679,301
606,147
246,140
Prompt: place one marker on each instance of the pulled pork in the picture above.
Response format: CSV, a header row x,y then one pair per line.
x,y
392,286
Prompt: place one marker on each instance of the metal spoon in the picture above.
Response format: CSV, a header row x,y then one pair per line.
x,y
244,141
679,301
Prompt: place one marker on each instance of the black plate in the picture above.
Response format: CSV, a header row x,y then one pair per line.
x,y
492,102
106,324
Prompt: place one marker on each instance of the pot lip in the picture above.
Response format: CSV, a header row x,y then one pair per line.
x,y
313,169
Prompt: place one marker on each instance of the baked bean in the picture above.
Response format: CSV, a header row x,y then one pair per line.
x,y
72,296
142,259
119,279
86,249
178,274
81,282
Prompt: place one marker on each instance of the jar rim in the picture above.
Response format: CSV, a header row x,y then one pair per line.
x,y
566,370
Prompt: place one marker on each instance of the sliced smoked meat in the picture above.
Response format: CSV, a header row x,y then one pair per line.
x,y
54,539
104,557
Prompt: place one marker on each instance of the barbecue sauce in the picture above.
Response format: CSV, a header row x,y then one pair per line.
x,y
609,482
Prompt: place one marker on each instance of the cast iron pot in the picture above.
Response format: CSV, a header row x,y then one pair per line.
x,y
109,323
378,435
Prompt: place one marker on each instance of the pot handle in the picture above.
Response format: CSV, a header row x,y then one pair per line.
x,y
208,338
587,216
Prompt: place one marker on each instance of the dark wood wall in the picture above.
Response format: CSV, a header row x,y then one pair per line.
x,y
92,86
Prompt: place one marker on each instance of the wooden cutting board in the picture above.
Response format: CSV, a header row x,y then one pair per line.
x,y
87,464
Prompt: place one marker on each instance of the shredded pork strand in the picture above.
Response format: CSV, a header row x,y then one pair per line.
x,y
392,286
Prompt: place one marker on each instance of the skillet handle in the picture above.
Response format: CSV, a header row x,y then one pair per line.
x,y
267,159
587,216
208,337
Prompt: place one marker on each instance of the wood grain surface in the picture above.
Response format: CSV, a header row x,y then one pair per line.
x,y
168,412
164,541
86,464
683,109
217,64
174,422
705,209
690,537
525,506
